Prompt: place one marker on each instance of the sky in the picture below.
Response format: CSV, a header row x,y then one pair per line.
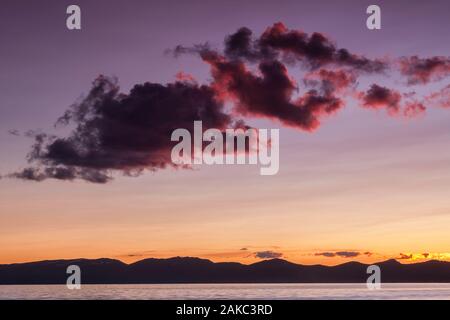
x,y
369,183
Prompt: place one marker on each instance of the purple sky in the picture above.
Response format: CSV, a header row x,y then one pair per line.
x,y
46,67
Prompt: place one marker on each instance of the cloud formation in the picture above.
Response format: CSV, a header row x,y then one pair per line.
x,y
268,254
314,50
271,94
382,97
423,70
343,254
439,98
122,132
403,256
130,132
326,254
378,97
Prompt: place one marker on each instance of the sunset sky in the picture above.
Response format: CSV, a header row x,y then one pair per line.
x,y
367,184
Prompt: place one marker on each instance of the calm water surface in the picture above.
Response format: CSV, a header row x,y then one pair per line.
x,y
229,291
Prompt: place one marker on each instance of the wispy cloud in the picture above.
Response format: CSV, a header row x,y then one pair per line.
x,y
268,254
343,254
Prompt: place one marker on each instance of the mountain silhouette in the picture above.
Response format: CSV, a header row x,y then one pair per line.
x,y
196,270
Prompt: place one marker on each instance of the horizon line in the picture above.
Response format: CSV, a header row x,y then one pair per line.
x,y
205,259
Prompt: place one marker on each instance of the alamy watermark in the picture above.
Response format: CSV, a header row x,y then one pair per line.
x,y
74,280
232,146
374,280
373,21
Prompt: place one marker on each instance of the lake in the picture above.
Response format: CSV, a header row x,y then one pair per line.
x,y
229,291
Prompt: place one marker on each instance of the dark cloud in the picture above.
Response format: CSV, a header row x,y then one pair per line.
x,y
128,133
325,254
268,254
35,174
404,256
29,174
423,70
243,249
241,45
330,81
347,254
342,254
314,50
271,94
378,97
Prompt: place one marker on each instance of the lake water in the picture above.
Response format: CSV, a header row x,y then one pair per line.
x,y
229,291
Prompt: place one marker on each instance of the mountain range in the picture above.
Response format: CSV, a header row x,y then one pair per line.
x,y
196,270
